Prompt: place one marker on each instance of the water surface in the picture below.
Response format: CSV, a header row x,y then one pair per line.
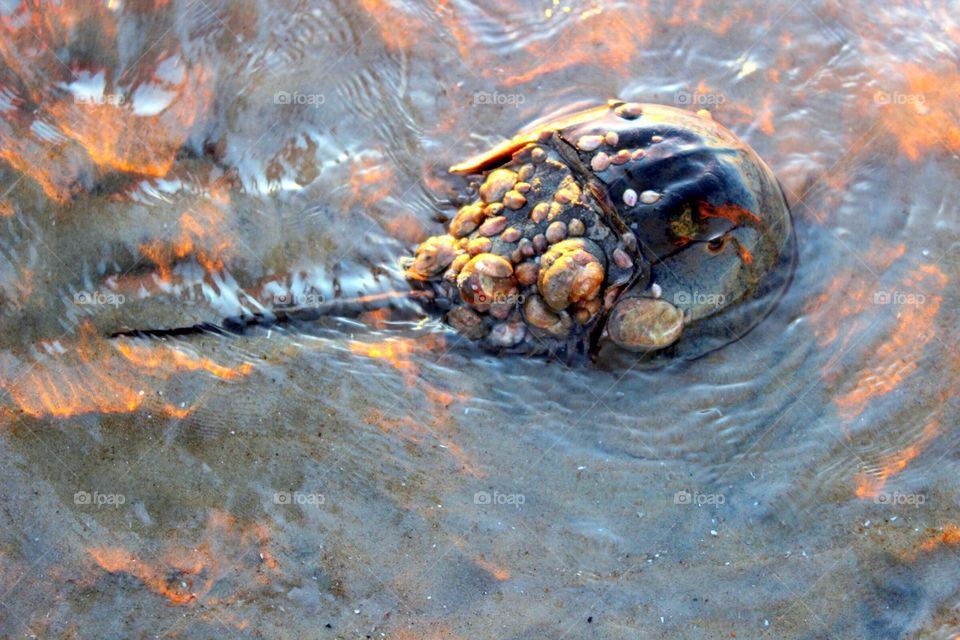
x,y
171,163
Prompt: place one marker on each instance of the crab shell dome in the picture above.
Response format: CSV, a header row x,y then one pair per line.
x,y
683,242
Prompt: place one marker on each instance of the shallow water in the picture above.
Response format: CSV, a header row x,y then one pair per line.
x,y
370,477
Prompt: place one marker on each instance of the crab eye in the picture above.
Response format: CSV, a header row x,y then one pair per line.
x,y
716,245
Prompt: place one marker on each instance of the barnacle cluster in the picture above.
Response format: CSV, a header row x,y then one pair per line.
x,y
628,222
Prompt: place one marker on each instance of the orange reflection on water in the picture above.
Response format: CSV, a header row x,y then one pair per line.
x,y
67,117
397,29
399,352
717,17
371,179
598,39
203,237
117,137
73,384
186,573
549,36
948,536
433,424
500,573
32,158
848,308
376,318
871,485
427,631
836,311
100,376
169,358
175,584
924,114
898,356
396,352
765,117
433,419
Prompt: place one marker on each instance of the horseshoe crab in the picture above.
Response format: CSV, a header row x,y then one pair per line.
x,y
635,227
